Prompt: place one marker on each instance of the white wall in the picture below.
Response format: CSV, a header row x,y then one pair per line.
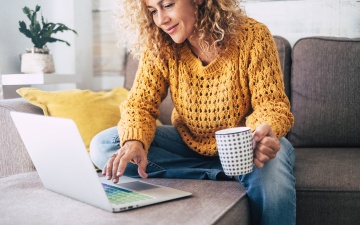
x,y
76,14
109,58
294,19
84,42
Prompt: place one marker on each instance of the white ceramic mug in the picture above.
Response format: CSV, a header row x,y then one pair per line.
x,y
235,148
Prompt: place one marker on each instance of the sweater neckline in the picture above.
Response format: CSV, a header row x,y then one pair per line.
x,y
188,57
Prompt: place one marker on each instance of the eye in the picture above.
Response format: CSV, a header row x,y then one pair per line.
x,y
153,12
168,6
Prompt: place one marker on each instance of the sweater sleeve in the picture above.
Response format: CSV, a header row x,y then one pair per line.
x,y
140,110
268,99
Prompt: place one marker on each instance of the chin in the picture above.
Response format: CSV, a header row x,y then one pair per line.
x,y
178,40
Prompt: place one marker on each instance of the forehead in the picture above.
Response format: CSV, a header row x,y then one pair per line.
x,y
153,2
159,2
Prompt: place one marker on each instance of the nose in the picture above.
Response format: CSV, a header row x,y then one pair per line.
x,y
163,18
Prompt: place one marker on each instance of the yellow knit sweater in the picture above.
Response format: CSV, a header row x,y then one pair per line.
x,y
242,88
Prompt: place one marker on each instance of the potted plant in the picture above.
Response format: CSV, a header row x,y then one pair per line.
x,y
38,59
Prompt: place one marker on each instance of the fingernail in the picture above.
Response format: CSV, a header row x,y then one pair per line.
x,y
114,180
118,174
108,177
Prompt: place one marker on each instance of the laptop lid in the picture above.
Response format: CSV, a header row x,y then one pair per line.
x,y
64,166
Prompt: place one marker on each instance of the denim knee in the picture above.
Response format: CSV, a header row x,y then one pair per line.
x,y
276,173
273,185
103,145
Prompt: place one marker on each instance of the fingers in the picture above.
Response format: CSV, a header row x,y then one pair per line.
x,y
117,163
120,163
265,150
142,168
117,167
264,130
107,170
258,164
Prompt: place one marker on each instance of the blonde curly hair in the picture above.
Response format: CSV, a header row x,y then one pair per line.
x,y
218,22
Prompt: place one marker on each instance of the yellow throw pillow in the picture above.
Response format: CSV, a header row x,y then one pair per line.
x,y
91,111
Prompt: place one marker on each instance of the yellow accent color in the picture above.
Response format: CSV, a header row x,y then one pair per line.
x,y
243,87
91,111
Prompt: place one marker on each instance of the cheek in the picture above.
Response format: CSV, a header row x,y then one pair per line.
x,y
152,20
156,24
190,26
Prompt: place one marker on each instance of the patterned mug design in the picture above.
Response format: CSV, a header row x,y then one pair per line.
x,y
235,148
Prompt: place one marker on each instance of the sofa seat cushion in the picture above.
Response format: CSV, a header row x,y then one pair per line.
x,y
327,169
13,156
327,185
223,202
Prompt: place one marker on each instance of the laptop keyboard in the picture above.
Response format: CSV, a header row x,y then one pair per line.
x,y
119,196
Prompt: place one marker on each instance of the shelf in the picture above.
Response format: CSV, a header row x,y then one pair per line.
x,y
38,78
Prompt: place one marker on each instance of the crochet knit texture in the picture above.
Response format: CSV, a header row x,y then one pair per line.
x,y
243,87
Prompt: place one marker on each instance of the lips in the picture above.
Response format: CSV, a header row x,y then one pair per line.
x,y
171,30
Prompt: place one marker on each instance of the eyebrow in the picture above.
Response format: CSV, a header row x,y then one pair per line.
x,y
159,3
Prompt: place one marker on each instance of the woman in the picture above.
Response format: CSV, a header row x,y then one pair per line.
x,y
223,71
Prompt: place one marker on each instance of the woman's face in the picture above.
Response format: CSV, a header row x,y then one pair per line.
x,y
175,17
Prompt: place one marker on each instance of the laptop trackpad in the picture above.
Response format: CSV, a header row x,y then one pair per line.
x,y
137,186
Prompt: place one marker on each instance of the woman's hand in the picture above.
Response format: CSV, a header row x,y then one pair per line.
x,y
266,145
131,151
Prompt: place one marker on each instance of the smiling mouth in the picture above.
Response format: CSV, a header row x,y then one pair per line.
x,y
171,29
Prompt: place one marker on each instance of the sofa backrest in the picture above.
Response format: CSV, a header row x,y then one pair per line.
x,y
325,92
166,106
284,49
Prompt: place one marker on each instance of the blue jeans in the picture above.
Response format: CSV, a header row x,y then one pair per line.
x,y
270,190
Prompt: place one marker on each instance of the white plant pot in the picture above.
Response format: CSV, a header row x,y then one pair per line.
x,y
37,63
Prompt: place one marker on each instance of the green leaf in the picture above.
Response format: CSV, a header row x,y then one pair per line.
x,y
43,21
22,25
51,40
40,32
26,10
61,28
37,27
36,42
23,29
33,19
37,8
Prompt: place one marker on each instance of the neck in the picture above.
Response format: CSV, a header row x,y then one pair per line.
x,y
205,56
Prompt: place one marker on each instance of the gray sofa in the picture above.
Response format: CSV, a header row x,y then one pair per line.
x,y
322,79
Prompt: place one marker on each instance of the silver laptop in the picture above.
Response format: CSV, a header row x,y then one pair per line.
x,y
64,166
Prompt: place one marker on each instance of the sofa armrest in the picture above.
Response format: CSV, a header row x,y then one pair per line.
x,y
14,158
